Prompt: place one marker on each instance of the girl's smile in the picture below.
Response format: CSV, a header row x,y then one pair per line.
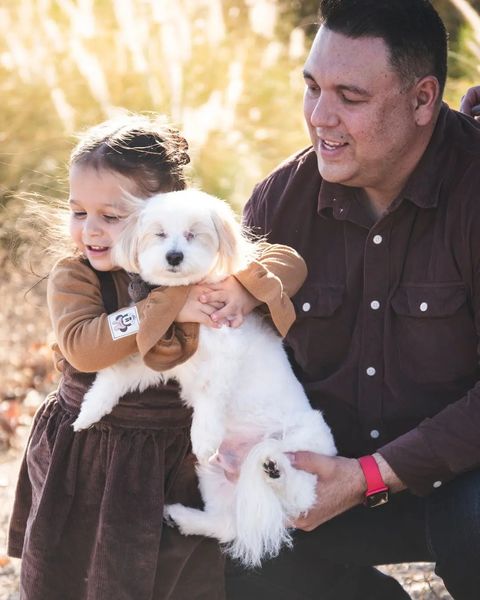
x,y
96,212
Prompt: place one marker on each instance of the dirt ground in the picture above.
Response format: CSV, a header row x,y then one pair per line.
x,y
26,376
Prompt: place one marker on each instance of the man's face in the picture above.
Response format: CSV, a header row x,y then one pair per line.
x,y
359,113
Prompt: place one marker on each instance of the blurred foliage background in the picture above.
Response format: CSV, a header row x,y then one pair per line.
x,y
228,72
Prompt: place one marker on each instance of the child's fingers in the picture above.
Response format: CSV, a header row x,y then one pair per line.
x,y
208,309
227,312
205,320
237,321
216,305
213,297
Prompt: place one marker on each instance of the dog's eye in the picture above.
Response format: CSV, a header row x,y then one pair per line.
x,y
161,234
189,236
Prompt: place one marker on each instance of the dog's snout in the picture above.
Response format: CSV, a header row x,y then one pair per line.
x,y
174,257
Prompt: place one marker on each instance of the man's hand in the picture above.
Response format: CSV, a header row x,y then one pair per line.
x,y
470,104
341,485
234,302
196,311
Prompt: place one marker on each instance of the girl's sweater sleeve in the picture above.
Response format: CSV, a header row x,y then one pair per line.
x,y
277,275
81,326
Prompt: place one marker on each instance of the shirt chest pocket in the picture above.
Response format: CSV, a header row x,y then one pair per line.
x,y
433,332
429,301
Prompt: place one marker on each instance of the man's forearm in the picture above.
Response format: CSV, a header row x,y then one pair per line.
x,y
392,481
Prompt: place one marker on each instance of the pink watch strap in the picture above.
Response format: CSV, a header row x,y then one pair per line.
x,y
372,474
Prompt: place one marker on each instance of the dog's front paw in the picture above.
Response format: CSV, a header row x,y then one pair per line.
x,y
82,422
86,418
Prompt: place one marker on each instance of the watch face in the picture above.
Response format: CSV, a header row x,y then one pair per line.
x,y
376,499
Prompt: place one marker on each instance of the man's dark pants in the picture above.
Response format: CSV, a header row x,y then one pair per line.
x,y
334,562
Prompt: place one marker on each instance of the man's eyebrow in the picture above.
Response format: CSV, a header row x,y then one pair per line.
x,y
355,89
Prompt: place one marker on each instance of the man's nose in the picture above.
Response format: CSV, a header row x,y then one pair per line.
x,y
324,113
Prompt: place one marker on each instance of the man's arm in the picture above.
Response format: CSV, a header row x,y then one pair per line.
x,y
341,485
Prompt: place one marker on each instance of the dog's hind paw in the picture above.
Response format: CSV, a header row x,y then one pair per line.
x,y
271,469
168,519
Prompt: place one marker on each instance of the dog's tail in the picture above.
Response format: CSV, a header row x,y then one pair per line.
x,y
261,521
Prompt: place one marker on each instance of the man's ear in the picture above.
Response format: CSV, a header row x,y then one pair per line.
x,y
427,99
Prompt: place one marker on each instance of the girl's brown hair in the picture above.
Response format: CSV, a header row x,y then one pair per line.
x,y
145,149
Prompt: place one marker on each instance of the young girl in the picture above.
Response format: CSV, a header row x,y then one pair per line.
x,y
87,520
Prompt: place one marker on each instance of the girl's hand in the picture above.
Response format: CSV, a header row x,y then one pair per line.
x,y
195,311
235,301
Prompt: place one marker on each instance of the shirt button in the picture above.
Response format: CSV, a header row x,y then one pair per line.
x,y
423,306
371,371
377,239
306,307
374,434
437,484
375,304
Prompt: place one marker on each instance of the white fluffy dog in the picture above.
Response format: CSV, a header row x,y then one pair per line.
x,y
239,383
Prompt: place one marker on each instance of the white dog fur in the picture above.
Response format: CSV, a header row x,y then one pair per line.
x,y
239,383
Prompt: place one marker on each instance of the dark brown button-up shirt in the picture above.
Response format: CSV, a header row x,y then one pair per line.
x,y
387,335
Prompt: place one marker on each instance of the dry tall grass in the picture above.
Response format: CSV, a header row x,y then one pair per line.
x,y
216,67
227,71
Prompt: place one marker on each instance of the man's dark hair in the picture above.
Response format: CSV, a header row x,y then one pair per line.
x,y
411,29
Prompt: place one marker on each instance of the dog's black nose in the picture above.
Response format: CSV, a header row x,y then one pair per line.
x,y
174,258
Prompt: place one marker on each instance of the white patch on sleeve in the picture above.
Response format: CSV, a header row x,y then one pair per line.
x,y
124,322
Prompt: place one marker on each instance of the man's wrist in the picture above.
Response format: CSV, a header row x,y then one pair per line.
x,y
393,482
358,481
377,490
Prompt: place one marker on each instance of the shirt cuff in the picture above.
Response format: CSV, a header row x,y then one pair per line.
x,y
415,463
175,348
267,287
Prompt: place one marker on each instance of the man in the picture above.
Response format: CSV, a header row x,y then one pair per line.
x,y
385,209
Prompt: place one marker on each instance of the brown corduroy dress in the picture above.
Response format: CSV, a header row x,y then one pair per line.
x,y
88,513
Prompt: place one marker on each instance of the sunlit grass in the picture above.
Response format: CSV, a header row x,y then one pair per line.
x,y
228,72
214,67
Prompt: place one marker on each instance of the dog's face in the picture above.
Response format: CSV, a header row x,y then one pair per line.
x,y
176,245
180,238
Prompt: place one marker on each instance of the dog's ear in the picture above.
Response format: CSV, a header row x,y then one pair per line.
x,y
231,241
125,249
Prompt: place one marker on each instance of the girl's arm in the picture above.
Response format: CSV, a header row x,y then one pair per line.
x,y
83,333
278,274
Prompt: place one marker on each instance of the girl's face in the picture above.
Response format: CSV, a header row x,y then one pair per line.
x,y
95,219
